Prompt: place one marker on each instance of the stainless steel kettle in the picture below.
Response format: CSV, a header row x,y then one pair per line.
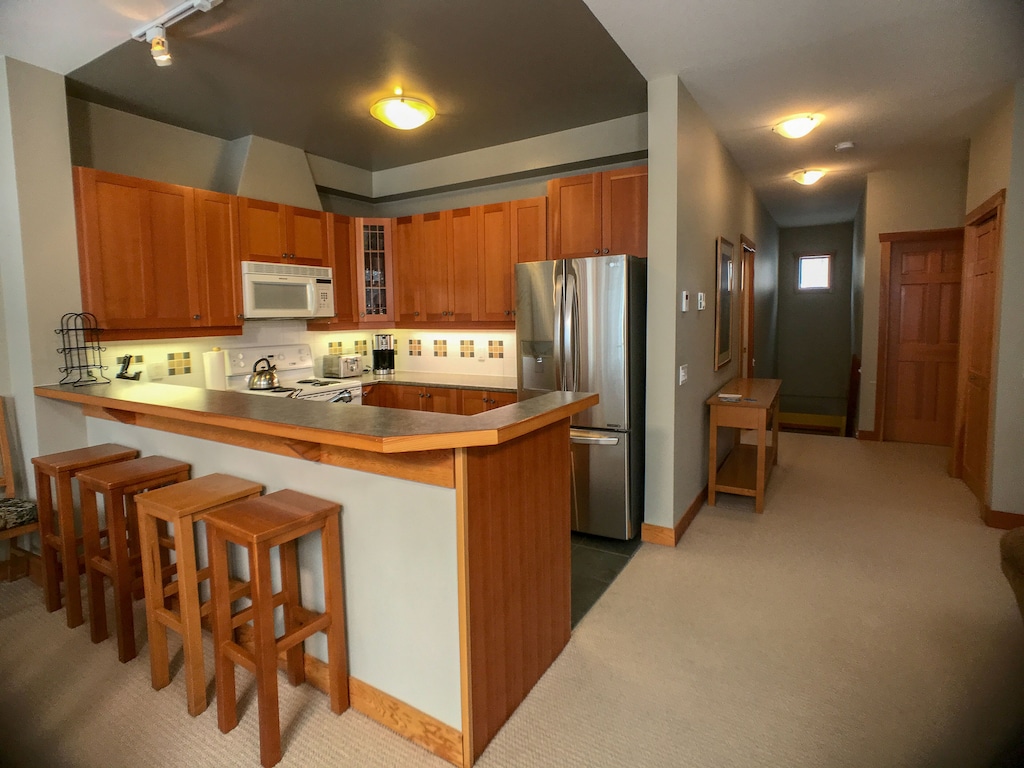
x,y
263,378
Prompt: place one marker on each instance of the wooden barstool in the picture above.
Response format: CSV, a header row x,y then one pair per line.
x,y
57,538
275,520
120,559
182,505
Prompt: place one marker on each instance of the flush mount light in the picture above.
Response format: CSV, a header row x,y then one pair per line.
x,y
402,112
157,39
808,176
797,126
843,146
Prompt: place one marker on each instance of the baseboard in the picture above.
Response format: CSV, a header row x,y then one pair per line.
x,y
812,422
868,434
669,537
405,720
1004,520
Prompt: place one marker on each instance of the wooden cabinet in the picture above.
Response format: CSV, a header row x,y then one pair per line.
x,y
282,233
529,230
599,213
373,394
475,401
422,260
496,267
144,273
341,249
375,275
413,398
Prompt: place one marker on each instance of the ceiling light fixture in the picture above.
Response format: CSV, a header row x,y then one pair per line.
x,y
842,146
402,112
157,39
155,33
808,176
798,126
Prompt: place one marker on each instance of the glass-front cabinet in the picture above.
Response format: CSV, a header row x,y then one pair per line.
x,y
375,270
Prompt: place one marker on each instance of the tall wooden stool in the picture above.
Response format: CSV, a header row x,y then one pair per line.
x,y
120,559
275,520
182,505
58,540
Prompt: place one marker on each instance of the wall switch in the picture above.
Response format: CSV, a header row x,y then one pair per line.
x,y
683,374
700,300
684,301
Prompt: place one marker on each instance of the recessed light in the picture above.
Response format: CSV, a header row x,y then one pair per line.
x,y
797,126
808,176
842,146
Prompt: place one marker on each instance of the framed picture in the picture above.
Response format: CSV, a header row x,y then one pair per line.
x,y
723,302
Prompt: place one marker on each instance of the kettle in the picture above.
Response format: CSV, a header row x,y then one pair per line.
x,y
265,378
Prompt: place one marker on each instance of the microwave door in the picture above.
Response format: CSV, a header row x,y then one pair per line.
x,y
279,296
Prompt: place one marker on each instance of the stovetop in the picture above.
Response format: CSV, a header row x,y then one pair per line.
x,y
295,375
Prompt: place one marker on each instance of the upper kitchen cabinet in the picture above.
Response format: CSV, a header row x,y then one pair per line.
x,y
149,265
341,246
282,233
497,301
422,260
375,276
529,229
599,213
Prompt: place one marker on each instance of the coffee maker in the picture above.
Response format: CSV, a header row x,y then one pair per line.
x,y
383,353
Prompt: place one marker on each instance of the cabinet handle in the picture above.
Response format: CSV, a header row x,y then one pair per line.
x,y
241,317
427,395
415,314
507,313
606,250
195,317
597,250
421,394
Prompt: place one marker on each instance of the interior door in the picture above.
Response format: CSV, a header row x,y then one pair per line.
x,y
747,302
923,340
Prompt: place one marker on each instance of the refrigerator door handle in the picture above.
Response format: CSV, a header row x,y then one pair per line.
x,y
558,298
580,437
572,313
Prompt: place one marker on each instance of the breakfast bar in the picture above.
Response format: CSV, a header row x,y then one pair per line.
x,y
455,535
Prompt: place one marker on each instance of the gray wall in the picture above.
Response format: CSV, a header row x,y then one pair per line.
x,y
814,327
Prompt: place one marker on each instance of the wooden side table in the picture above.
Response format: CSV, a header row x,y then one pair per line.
x,y
746,469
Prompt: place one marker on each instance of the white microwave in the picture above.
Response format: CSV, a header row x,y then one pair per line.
x,y
286,291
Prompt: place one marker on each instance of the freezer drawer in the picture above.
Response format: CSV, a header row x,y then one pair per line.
x,y
603,496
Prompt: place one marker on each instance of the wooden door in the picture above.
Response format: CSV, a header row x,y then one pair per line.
x,y
434,267
262,230
440,400
981,256
923,338
496,288
307,236
529,227
409,398
219,277
407,270
463,235
624,211
575,216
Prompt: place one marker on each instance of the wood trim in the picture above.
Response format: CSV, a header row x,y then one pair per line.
x,y
1004,520
883,335
747,246
462,554
923,234
986,209
669,537
429,467
394,714
868,434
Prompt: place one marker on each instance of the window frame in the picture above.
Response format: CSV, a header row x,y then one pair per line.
x,y
798,257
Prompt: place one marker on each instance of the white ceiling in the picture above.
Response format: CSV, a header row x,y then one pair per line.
x,y
897,77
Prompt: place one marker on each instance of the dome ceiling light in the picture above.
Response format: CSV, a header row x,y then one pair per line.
x,y
798,126
808,176
402,112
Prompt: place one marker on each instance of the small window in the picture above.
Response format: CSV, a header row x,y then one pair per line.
x,y
814,273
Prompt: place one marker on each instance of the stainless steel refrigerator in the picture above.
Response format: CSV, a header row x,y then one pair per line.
x,y
581,327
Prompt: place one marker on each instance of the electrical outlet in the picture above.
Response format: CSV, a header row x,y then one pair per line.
x,y
683,374
156,371
700,300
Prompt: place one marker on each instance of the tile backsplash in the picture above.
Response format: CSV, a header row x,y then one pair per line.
x,y
179,361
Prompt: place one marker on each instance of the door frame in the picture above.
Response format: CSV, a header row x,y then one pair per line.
x,y
748,251
887,239
993,206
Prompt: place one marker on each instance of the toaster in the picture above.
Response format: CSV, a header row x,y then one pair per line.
x,y
342,366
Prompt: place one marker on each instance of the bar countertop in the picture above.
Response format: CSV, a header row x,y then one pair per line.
x,y
365,428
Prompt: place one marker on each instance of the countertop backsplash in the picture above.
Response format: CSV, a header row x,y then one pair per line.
x,y
180,361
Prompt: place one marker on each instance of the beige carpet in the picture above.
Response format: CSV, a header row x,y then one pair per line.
x,y
861,621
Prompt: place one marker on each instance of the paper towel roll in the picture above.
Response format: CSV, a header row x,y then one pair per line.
x,y
215,367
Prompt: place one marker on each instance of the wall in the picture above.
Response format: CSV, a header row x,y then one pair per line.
x,y
990,151
696,195
38,251
857,282
814,327
1008,408
927,192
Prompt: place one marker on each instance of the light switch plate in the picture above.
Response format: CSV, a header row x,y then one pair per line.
x,y
684,301
683,374
700,300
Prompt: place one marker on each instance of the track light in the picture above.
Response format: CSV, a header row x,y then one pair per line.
x,y
157,39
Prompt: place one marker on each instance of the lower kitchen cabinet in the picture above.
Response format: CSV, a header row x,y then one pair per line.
x,y
479,400
435,399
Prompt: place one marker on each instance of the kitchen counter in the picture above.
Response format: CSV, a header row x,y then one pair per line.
x,y
455,530
446,380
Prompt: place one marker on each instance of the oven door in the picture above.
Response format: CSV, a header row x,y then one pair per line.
x,y
278,296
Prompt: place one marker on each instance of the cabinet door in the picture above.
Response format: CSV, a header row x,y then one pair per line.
x,y
341,257
307,233
529,223
435,269
624,211
137,251
499,399
219,278
262,230
472,402
496,266
575,216
440,400
375,273
407,270
372,394
407,397
465,264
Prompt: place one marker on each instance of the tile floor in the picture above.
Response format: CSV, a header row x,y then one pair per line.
x,y
596,561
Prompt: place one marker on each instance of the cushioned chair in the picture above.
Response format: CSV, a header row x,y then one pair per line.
x,y
1011,549
17,516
